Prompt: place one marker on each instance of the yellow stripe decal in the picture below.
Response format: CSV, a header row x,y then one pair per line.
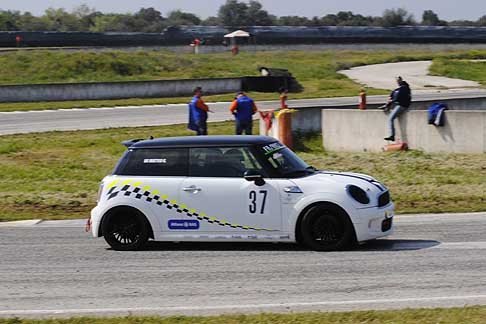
x,y
113,183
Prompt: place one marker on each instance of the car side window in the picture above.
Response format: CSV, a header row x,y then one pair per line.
x,y
154,162
230,162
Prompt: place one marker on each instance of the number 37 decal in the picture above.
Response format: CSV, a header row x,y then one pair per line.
x,y
254,201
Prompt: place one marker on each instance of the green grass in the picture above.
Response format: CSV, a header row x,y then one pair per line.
x,y
315,70
470,315
55,175
460,69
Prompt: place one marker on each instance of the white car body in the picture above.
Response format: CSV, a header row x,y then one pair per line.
x,y
214,209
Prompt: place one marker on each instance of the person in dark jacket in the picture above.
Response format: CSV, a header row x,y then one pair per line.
x,y
198,113
401,99
243,108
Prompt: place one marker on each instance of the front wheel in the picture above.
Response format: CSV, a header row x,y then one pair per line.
x,y
326,228
125,230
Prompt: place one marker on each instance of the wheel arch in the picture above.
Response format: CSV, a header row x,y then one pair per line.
x,y
332,205
120,208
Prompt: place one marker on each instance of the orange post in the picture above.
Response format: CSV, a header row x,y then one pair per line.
x,y
362,99
396,147
266,116
283,101
285,129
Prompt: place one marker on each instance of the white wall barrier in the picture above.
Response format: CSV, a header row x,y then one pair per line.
x,y
357,131
346,128
116,90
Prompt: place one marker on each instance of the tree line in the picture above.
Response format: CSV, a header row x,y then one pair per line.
x,y
232,14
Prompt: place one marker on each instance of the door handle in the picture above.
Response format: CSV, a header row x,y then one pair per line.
x,y
192,188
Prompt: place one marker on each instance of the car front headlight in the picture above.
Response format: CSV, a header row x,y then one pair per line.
x,y
358,194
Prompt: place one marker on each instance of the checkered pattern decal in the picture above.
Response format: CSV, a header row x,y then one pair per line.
x,y
137,191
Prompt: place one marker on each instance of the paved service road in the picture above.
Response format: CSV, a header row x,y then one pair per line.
x,y
415,73
96,118
51,270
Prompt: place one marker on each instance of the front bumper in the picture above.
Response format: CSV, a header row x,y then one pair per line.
x,y
375,222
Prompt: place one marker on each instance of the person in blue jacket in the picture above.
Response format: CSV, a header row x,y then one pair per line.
x,y
198,113
401,98
243,108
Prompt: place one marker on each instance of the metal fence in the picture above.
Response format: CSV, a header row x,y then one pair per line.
x,y
213,35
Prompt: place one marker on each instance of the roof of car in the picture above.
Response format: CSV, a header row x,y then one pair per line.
x,y
189,141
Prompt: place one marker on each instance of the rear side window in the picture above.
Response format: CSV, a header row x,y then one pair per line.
x,y
154,162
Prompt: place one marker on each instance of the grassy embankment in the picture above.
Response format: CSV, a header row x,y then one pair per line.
x,y
55,175
315,70
460,69
470,315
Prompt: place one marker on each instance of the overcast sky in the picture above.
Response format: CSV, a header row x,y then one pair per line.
x,y
446,9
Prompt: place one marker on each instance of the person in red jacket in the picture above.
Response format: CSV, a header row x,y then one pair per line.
x,y
18,40
243,108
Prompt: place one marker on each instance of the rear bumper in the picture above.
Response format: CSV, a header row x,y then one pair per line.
x,y
95,221
375,222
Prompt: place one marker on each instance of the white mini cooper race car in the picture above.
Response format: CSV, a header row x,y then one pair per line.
x,y
234,188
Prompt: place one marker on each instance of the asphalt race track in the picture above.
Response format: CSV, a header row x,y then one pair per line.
x,y
55,269
97,118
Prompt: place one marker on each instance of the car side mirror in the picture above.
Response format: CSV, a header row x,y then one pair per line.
x,y
255,176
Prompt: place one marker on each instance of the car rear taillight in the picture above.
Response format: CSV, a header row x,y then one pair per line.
x,y
87,227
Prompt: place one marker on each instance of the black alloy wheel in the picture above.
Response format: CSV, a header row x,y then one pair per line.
x,y
326,228
125,230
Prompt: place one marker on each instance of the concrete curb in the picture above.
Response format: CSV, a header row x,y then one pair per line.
x,y
45,223
22,223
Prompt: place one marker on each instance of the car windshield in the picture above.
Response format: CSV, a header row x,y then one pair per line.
x,y
285,162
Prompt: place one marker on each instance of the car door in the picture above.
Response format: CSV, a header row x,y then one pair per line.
x,y
219,199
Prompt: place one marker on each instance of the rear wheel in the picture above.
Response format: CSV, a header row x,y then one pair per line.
x,y
125,230
326,228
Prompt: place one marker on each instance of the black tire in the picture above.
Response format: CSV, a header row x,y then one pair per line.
x,y
326,228
125,229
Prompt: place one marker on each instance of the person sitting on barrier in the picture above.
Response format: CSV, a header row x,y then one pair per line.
x,y
243,108
198,113
401,98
